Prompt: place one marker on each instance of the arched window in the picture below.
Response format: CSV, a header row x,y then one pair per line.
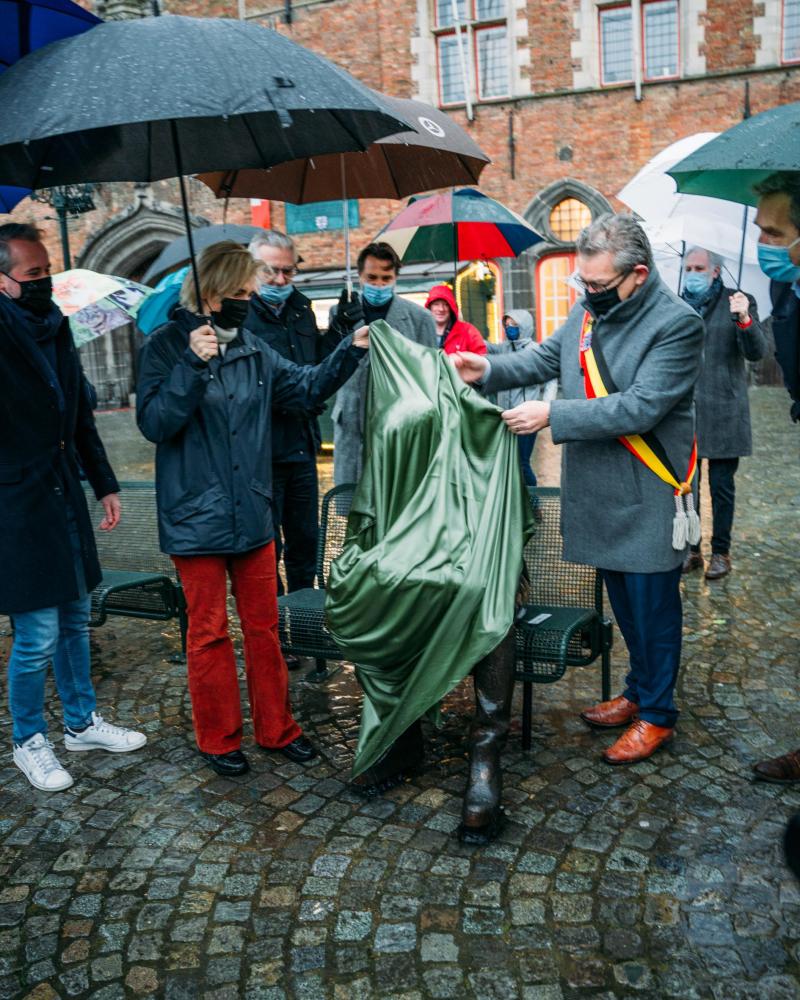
x,y
568,218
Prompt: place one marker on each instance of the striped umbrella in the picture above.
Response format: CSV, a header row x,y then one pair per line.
x,y
457,225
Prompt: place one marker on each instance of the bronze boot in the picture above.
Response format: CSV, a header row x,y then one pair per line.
x,y
400,761
482,814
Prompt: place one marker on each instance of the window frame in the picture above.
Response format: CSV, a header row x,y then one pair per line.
x,y
469,30
784,60
572,296
605,8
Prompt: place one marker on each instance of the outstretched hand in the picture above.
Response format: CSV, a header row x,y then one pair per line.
x,y
361,337
471,367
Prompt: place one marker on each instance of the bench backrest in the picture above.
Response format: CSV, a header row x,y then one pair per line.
x,y
133,544
554,581
333,525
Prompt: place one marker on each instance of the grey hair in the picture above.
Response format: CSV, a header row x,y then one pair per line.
x,y
620,235
714,259
783,182
15,231
271,238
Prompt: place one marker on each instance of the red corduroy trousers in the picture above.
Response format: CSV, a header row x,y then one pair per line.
x,y
213,680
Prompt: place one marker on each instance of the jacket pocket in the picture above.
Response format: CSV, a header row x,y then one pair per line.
x,y
10,473
196,505
259,487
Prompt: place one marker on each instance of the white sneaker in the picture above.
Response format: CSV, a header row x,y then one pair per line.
x,y
101,735
36,760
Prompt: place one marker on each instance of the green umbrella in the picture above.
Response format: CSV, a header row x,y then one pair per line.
x,y
732,164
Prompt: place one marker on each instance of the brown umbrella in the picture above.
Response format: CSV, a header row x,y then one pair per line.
x,y
436,153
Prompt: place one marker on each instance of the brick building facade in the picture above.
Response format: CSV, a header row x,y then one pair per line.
x,y
568,97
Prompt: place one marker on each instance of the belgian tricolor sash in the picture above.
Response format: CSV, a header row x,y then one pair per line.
x,y
597,382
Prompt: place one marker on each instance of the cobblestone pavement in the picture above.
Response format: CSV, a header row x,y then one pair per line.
x,y
152,877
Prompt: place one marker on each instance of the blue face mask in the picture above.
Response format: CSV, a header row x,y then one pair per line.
x,y
377,295
512,333
776,263
276,295
696,282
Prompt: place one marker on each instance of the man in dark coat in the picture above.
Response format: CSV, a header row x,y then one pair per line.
x,y
47,543
778,218
733,336
282,317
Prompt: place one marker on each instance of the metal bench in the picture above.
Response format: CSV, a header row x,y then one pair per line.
x,y
301,614
563,625
139,581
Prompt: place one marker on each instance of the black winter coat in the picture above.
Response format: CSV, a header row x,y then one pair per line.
x,y
212,423
39,452
786,331
294,335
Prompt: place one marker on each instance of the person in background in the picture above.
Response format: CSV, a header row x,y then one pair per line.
x,y
722,411
47,433
205,397
518,329
453,333
282,317
378,268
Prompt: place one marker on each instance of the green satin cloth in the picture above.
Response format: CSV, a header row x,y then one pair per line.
x,y
425,585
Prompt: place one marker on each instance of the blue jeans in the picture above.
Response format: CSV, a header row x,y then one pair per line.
x,y
525,443
60,634
648,610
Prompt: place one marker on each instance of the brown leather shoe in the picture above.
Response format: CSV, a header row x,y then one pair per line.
x,y
608,714
720,566
693,561
638,742
779,770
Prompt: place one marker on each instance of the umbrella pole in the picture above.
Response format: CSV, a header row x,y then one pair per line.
x,y
680,269
346,221
741,251
186,221
455,237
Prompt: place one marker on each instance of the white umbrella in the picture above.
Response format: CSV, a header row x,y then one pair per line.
x,y
680,221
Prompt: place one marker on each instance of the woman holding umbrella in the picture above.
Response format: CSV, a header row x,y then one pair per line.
x,y
205,396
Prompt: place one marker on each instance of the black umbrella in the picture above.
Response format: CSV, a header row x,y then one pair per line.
x,y
177,253
141,100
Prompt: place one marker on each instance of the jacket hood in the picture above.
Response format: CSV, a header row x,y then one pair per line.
x,y
523,319
444,292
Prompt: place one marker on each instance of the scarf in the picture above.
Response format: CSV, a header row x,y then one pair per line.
x,y
705,301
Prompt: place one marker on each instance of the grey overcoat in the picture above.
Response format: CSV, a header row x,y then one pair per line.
x,y
615,512
413,322
720,396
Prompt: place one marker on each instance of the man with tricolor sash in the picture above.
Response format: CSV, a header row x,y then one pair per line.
x,y
627,358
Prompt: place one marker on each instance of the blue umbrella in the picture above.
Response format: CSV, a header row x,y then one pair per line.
x,y
27,25
156,308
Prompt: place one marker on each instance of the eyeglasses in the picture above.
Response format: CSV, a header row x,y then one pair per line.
x,y
270,273
593,286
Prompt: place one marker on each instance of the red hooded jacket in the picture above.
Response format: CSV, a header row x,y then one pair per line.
x,y
461,336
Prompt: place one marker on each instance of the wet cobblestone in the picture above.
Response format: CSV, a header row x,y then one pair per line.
x,y
153,877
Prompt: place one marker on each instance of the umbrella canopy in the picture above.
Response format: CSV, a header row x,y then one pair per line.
x,y
96,303
730,165
436,152
674,219
457,225
176,254
156,309
164,96
27,25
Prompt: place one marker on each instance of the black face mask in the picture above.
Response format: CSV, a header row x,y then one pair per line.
x,y
36,296
232,313
602,302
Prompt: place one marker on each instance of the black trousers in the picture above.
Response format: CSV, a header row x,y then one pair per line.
x,y
721,472
295,508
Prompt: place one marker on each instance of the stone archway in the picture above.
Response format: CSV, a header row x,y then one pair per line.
x,y
518,273
125,246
